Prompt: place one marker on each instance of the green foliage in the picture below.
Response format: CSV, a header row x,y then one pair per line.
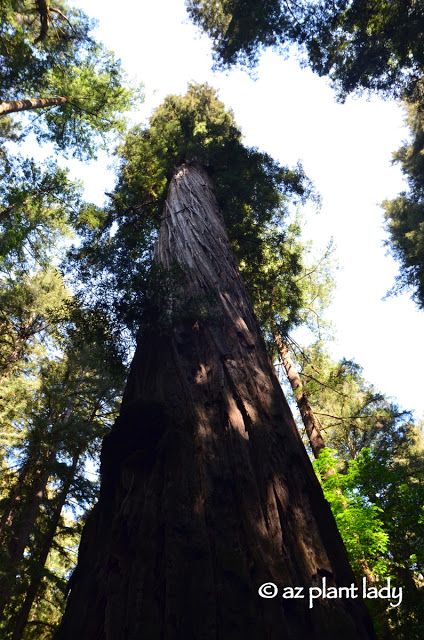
x,y
196,127
405,214
39,206
361,45
371,472
351,412
29,306
72,404
376,500
26,53
292,288
61,366
358,520
46,52
393,480
240,29
252,190
366,45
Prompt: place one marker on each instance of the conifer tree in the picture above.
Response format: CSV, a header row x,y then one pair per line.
x,y
204,470
68,415
52,64
405,214
360,45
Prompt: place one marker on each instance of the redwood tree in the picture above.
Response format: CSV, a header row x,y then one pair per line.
x,y
207,491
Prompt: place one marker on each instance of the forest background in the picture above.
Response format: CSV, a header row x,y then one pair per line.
x,y
290,113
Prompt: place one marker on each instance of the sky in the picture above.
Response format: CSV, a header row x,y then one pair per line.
x,y
346,150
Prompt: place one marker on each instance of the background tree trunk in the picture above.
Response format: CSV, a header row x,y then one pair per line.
x,y
308,417
207,491
23,526
20,619
31,103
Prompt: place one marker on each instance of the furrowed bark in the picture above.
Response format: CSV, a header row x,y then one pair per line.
x,y
207,491
31,103
308,417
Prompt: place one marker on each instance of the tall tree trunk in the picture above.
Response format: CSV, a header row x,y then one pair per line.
x,y
308,417
20,620
22,525
207,491
21,531
6,520
31,103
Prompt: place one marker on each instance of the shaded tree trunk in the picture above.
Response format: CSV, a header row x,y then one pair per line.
x,y
20,620
31,103
207,491
308,417
21,524
6,520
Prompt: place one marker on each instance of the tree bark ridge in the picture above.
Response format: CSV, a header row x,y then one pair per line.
x,y
207,491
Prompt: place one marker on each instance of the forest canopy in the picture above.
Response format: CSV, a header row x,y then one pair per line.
x,y
79,285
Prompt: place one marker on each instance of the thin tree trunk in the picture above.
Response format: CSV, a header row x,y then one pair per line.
x,y
22,615
43,10
308,417
21,532
14,497
207,492
31,103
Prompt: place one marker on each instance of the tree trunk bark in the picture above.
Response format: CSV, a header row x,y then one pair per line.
x,y
308,417
21,618
207,492
6,520
21,531
31,103
22,525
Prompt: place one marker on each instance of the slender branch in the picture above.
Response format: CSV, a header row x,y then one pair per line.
x,y
327,386
342,419
62,15
315,268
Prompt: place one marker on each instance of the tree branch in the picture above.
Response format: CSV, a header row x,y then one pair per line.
x,y
62,15
31,103
43,10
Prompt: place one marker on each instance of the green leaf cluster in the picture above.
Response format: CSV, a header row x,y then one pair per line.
x,y
253,191
358,520
371,472
360,44
47,51
405,214
241,29
39,206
